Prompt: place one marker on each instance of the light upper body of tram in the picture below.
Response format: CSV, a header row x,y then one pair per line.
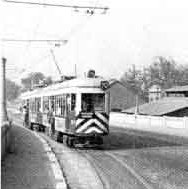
x,y
80,97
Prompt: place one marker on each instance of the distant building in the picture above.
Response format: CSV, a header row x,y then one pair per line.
x,y
175,103
178,91
167,106
155,93
122,96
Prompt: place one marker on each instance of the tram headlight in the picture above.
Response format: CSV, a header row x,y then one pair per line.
x,y
104,85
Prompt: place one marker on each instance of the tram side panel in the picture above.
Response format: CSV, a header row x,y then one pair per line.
x,y
80,123
60,124
68,122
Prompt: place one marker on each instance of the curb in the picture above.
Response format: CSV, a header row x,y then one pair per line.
x,y
58,174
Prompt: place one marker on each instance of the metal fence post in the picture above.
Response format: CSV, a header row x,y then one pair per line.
x,y
185,122
3,92
5,124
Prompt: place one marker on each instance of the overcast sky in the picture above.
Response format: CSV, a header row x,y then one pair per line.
x,y
131,32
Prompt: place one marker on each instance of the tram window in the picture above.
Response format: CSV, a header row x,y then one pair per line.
x,y
60,105
35,106
63,105
56,105
73,101
93,102
45,104
52,103
38,104
32,105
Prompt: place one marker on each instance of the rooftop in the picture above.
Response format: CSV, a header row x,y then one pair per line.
x,y
71,85
178,89
161,107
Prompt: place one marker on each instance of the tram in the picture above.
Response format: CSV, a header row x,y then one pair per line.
x,y
75,111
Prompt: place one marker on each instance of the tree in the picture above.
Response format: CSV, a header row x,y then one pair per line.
x,y
163,71
48,80
168,73
35,78
12,90
182,75
132,78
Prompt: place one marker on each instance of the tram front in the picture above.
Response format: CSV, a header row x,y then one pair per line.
x,y
92,121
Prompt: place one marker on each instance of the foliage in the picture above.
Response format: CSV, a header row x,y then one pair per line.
x,y
162,71
12,90
35,78
48,80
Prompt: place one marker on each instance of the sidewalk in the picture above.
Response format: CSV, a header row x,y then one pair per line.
x,y
26,166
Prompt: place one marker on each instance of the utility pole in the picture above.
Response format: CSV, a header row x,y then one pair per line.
x,y
3,112
75,70
137,105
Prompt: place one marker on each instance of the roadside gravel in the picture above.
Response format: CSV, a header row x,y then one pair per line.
x,y
26,166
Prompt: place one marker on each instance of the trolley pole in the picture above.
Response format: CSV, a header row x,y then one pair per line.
x,y
3,115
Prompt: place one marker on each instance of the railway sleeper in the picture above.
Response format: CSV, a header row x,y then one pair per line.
x,y
90,141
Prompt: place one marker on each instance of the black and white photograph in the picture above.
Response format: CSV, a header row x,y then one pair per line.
x,y
94,94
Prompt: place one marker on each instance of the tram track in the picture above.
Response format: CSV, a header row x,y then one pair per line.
x,y
96,168
140,167
59,153
102,170
111,176
107,171
131,170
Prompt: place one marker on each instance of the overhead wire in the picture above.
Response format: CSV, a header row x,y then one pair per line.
x,y
80,25
56,5
49,41
33,40
74,30
28,42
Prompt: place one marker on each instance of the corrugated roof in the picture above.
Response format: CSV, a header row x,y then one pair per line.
x,y
161,107
178,89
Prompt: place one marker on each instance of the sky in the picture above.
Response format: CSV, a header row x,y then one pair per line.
x,y
131,32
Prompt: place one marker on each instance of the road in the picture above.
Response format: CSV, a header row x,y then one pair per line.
x,y
128,159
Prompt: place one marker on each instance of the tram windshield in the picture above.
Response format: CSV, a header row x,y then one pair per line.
x,y
93,102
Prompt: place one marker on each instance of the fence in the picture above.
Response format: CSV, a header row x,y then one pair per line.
x,y
149,121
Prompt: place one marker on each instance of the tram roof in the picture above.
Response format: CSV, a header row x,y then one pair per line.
x,y
83,85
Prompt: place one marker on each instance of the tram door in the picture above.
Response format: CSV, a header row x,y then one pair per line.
x,y
67,113
70,112
38,110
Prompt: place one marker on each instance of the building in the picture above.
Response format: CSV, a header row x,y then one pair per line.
x,y
167,106
175,103
155,93
178,91
123,97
